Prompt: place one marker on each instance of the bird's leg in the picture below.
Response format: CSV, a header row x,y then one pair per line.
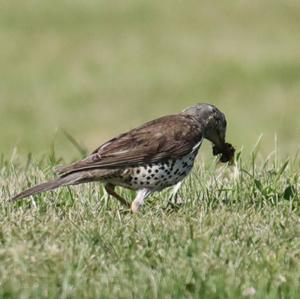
x,y
175,199
139,199
110,189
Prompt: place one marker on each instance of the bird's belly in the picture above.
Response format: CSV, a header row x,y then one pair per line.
x,y
158,176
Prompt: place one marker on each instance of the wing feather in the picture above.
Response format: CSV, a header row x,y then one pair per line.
x,y
168,137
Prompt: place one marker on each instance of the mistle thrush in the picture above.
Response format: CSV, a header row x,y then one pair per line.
x,y
149,158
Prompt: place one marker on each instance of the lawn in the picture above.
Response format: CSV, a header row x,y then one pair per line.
x,y
237,233
98,68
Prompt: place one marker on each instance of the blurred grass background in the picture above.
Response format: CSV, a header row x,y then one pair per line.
x,y
98,68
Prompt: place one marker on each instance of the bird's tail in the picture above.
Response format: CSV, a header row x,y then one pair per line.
x,y
72,179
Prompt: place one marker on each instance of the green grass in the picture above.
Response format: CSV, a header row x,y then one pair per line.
x,y
238,229
97,68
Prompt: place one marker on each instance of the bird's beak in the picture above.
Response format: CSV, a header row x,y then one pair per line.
x,y
219,142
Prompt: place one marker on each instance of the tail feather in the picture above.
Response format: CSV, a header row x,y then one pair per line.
x,y
47,186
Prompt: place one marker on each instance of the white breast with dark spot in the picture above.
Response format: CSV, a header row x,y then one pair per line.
x,y
161,175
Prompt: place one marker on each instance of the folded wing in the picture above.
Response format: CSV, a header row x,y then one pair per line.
x,y
168,137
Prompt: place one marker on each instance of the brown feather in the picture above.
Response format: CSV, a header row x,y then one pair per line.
x,y
47,186
168,137
72,179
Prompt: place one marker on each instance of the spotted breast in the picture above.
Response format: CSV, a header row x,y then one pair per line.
x,y
157,176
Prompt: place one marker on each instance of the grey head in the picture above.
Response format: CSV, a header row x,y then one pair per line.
x,y
214,124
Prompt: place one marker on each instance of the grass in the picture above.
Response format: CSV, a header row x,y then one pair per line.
x,y
237,233
97,68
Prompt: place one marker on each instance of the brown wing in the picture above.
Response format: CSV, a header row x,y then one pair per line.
x,y
167,137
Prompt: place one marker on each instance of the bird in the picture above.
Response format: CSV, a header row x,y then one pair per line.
x,y
149,158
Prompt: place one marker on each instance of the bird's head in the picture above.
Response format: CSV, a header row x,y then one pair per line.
x,y
213,123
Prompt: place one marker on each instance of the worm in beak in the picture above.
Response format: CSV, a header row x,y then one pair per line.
x,y
227,152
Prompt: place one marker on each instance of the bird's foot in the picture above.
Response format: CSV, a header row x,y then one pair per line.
x,y
125,211
174,204
135,207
